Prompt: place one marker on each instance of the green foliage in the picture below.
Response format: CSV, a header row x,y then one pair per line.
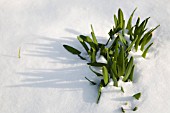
x,y
146,50
93,83
137,96
122,89
116,50
72,50
135,108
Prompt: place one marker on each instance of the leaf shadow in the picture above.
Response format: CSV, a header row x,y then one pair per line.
x,y
69,78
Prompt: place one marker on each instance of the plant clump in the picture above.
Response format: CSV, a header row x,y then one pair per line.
x,y
123,38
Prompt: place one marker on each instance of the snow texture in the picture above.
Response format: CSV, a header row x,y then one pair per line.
x,y
48,79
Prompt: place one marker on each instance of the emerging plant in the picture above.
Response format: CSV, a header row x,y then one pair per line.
x,y
19,53
123,38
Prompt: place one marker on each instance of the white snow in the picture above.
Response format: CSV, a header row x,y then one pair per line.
x,y
48,79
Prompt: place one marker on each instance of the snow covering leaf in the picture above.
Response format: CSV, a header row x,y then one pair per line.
x,y
128,69
98,74
105,75
146,50
137,96
71,49
93,83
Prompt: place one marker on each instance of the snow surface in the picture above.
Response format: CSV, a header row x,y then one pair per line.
x,y
48,79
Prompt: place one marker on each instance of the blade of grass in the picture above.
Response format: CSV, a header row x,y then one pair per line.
x,y
19,52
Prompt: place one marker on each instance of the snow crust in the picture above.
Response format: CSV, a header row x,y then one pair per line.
x,y
48,79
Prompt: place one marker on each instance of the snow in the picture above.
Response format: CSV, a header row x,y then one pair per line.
x,y
48,79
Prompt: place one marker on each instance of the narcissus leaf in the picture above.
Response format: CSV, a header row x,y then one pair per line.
x,y
137,96
98,74
128,69
129,24
146,50
105,75
71,49
121,62
93,83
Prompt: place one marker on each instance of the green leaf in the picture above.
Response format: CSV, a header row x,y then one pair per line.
x,y
122,39
122,89
81,57
93,55
71,49
145,40
93,35
114,78
115,20
93,83
120,18
105,75
122,109
114,68
131,44
99,90
129,24
83,43
121,62
135,108
146,50
97,64
88,40
98,74
128,69
137,42
137,96
148,39
131,74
